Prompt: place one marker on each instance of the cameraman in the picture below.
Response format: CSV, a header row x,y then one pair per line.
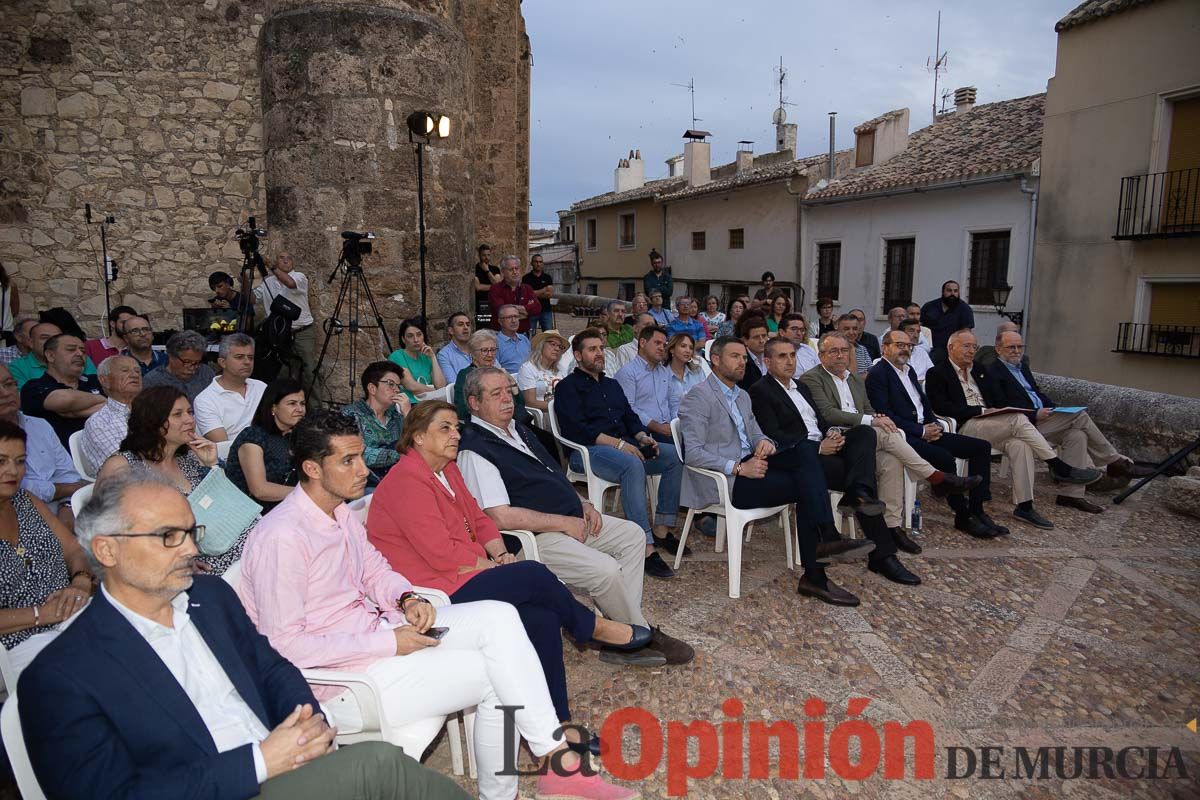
x,y
284,279
226,296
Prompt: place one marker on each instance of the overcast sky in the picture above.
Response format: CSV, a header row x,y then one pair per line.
x,y
603,74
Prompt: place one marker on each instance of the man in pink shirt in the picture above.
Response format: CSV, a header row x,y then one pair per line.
x,y
326,598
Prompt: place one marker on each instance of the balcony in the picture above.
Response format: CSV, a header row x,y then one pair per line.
x,y
1160,205
1180,341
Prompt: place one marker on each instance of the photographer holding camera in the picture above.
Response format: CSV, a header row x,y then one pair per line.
x,y
283,279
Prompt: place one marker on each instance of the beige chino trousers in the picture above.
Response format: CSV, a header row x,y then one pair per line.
x,y
894,455
1081,444
1016,437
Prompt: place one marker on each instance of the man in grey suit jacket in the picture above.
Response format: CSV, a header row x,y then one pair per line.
x,y
840,396
719,433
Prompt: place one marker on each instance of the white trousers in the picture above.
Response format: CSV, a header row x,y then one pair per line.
x,y
485,661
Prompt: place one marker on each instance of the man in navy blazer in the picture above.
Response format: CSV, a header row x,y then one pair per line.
x,y
894,391
164,689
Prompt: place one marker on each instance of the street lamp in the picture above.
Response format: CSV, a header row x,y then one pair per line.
x,y
423,127
1000,295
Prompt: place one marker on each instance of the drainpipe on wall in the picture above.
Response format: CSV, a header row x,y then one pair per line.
x,y
1033,204
799,242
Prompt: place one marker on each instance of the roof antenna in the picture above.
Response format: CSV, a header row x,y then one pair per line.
x,y
691,87
780,115
938,63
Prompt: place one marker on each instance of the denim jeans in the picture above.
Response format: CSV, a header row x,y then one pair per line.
x,y
543,321
630,472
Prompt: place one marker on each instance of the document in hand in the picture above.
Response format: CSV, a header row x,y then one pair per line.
x,y
1069,409
991,412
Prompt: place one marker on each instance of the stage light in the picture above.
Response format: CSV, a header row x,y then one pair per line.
x,y
428,124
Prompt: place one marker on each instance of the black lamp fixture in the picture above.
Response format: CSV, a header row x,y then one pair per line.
x,y
423,128
1000,295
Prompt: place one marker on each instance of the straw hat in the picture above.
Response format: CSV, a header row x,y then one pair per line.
x,y
535,346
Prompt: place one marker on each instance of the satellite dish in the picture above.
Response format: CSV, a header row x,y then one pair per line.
x,y
779,117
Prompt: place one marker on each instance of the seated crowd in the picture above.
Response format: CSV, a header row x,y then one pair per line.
x,y
206,585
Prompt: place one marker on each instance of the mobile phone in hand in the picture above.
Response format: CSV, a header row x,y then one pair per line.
x,y
436,633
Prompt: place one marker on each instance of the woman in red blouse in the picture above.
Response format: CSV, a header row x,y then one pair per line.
x,y
429,527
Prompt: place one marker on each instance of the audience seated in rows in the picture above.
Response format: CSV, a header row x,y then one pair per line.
x,y
794,328
380,414
44,577
185,369
687,320
108,346
139,344
226,406
260,458
753,333
121,380
167,690
326,598
63,396
662,314
420,370
33,364
162,439
592,411
646,382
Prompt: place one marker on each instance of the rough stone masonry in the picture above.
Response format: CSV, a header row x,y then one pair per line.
x,y
183,119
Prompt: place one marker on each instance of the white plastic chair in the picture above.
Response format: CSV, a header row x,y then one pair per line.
x,y
18,756
597,486
708,350
80,497
729,519
528,544
75,444
8,678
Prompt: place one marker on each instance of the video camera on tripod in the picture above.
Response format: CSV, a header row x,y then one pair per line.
x,y
355,245
248,240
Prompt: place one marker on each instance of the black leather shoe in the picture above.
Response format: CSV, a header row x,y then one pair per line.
x,y
1079,504
671,544
646,657
641,637
831,593
991,523
657,568
1121,468
903,541
844,550
1033,518
1076,475
891,568
674,650
955,484
968,524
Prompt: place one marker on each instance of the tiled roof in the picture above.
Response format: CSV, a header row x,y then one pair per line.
x,y
750,177
1090,10
987,140
648,191
871,124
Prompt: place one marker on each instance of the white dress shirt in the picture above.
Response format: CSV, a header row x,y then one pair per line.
x,y
218,407
806,411
911,388
847,397
187,656
920,362
806,359
271,287
481,476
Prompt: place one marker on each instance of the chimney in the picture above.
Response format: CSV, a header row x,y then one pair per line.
x,y
697,158
675,166
630,173
745,156
785,132
964,99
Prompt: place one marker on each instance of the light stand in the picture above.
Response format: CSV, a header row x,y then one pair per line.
x,y
422,127
108,266
1000,295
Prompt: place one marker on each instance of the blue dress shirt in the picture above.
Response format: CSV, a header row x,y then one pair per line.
x,y
681,386
693,327
451,360
662,317
648,390
1020,376
731,393
511,353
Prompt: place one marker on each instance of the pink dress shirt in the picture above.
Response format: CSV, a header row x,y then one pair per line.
x,y
318,590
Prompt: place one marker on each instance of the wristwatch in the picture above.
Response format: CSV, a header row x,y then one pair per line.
x,y
408,596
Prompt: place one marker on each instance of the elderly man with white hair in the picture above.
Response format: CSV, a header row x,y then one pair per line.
x,y
121,379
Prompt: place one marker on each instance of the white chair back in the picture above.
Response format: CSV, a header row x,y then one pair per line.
x,y
80,497
75,444
18,756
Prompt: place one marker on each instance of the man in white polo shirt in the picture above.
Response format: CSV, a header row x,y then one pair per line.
x,y
227,405
284,279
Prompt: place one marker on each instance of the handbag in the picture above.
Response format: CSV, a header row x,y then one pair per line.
x,y
223,509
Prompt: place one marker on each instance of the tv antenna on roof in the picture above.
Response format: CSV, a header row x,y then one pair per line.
x,y
691,87
938,63
780,115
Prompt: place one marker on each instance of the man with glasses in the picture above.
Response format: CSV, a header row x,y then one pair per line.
x,y
512,345
894,391
139,341
185,368
380,415
1013,384
958,388
865,337
166,688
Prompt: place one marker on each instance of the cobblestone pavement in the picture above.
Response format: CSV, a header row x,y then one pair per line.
x,y
1086,635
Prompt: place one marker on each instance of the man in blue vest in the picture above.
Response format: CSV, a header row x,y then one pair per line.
x,y
522,487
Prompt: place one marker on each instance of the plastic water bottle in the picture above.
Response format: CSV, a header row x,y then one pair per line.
x,y
916,518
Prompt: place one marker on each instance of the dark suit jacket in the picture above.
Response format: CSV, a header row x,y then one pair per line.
x,y
889,397
777,414
1007,392
103,716
752,376
946,393
871,342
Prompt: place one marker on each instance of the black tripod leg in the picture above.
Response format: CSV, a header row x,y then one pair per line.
x,y
331,323
375,311
1159,470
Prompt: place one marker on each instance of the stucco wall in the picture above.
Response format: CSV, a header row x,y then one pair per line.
x,y
1102,110
767,215
610,261
941,222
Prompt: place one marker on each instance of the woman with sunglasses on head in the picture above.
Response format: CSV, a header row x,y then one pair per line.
x,y
44,575
260,459
162,438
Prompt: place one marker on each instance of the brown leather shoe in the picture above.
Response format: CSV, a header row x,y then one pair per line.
x,y
830,593
675,650
1121,468
1079,504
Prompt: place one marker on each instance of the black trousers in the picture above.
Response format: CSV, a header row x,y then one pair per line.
x,y
793,476
942,453
852,469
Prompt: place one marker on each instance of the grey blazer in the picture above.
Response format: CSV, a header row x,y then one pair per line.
x,y
829,402
710,439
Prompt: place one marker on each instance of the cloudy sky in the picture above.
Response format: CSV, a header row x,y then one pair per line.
x,y
603,74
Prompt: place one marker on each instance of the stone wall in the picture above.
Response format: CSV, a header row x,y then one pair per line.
x,y
154,111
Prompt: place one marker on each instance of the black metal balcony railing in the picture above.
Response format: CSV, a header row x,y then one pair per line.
x,y
1159,205
1181,341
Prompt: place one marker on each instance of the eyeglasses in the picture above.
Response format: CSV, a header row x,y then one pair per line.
x,y
1016,348
191,364
171,537
486,351
902,345
137,331
390,384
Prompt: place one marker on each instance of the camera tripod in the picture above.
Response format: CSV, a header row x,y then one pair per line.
x,y
354,287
